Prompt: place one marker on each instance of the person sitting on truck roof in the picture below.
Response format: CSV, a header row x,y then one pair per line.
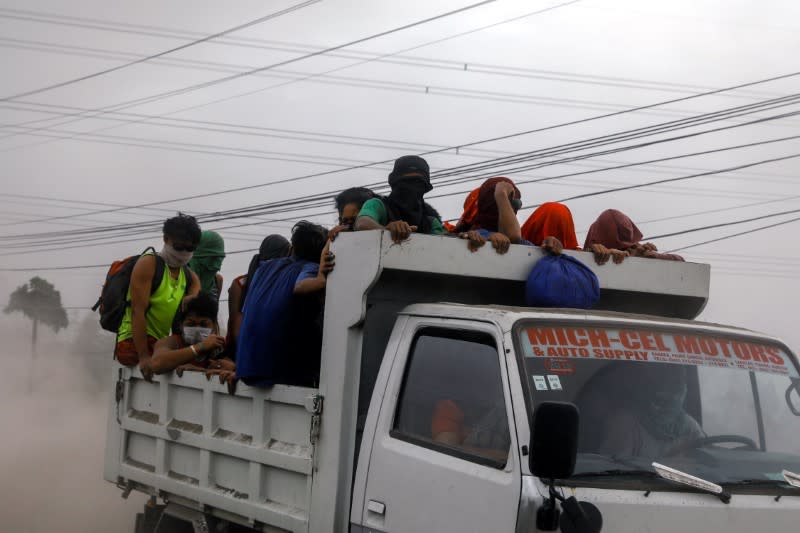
x,y
655,423
281,334
348,204
495,219
404,211
272,247
551,227
198,342
614,235
207,262
150,314
470,210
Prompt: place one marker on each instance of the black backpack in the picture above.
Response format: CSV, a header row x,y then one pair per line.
x,y
113,300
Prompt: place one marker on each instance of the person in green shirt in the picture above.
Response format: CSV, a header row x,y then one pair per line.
x,y
404,211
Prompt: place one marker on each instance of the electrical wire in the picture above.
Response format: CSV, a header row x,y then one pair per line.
x,y
504,137
86,77
722,225
204,85
748,232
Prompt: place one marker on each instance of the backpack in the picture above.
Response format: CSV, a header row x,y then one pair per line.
x,y
561,281
113,300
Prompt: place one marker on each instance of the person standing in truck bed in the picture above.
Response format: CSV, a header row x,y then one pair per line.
x,y
207,261
272,247
281,335
151,313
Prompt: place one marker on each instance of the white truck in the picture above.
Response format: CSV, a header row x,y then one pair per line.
x,y
480,414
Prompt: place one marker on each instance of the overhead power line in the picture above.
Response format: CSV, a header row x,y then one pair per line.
x,y
681,178
86,77
204,85
294,205
748,232
723,224
435,151
292,47
702,228
138,229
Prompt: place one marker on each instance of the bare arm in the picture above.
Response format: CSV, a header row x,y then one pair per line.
x,y
507,222
220,282
366,223
167,354
194,290
141,286
234,306
326,264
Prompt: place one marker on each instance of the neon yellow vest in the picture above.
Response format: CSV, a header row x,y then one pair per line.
x,y
163,306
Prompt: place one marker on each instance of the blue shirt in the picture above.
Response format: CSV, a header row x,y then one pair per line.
x,y
281,334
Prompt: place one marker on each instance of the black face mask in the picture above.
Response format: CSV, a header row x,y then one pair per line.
x,y
411,188
406,198
516,204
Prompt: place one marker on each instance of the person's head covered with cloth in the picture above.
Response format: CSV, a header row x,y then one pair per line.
x,y
615,235
207,262
495,207
551,219
403,211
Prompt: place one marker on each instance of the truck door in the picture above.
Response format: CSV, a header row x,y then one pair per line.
x,y
443,455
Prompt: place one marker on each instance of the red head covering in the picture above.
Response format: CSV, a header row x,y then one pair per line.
x,y
551,219
470,211
487,213
613,229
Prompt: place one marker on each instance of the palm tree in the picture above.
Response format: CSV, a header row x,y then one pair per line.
x,y
41,302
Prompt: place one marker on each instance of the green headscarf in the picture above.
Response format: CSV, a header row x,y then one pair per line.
x,y
207,260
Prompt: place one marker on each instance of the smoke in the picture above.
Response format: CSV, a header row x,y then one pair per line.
x,y
53,440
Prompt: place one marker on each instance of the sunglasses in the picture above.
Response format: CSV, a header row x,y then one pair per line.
x,y
516,204
180,247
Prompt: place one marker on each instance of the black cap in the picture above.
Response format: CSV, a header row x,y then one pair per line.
x,y
408,164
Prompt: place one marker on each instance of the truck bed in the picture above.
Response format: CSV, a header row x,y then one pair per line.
x,y
248,454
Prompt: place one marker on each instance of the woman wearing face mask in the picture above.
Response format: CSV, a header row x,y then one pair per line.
x,y
198,345
153,303
495,216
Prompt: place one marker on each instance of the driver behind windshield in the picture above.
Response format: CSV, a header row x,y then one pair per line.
x,y
655,423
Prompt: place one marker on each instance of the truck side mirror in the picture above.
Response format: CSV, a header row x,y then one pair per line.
x,y
554,448
554,440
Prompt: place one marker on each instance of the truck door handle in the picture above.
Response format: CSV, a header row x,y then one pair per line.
x,y
376,507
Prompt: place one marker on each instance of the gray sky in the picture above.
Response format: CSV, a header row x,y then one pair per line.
x,y
656,51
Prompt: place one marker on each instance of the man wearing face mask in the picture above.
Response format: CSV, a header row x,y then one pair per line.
x,y
656,422
404,211
197,344
154,303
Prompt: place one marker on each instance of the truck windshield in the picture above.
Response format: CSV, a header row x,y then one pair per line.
x,y
721,408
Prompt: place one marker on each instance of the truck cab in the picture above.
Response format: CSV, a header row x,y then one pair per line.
x,y
445,404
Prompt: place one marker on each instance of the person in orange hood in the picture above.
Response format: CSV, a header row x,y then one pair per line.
x,y
551,219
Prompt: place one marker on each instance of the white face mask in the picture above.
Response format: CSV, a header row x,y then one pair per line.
x,y
173,257
193,335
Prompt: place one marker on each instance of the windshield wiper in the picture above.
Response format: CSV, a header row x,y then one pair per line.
x,y
792,478
687,479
